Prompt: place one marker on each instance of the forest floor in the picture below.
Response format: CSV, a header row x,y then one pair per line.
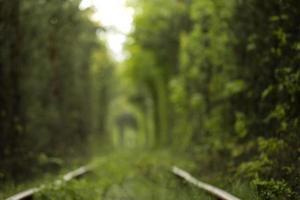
x,y
130,175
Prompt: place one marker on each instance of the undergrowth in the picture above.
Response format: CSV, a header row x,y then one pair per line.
x,y
133,175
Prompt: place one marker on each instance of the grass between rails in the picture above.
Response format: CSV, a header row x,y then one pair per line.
x,y
131,175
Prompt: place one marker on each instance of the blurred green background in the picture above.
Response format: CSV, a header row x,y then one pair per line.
x,y
211,84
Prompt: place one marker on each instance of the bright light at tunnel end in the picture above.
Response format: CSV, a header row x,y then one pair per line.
x,y
114,14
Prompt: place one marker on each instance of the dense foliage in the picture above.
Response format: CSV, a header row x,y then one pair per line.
x,y
267,48
223,80
218,80
48,83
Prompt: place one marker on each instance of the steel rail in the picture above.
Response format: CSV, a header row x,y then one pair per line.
x,y
214,191
28,194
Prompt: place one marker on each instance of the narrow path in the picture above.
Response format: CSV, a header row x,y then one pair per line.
x,y
128,176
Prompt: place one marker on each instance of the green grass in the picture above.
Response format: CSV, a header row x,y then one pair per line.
x,y
140,175
10,188
136,175
129,175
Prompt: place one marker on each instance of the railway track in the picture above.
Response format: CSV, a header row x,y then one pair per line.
x,y
214,191
82,171
28,194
